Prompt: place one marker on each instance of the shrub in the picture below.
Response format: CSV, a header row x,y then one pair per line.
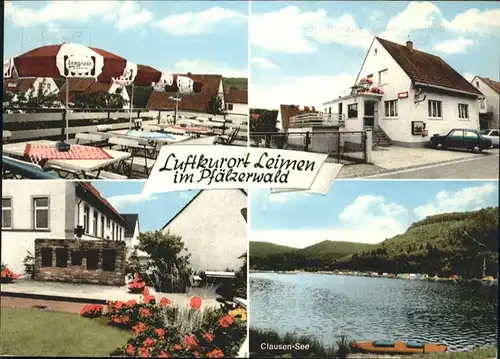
x,y
29,265
92,311
6,274
137,285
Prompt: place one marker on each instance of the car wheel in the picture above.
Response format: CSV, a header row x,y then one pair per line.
x,y
439,146
477,149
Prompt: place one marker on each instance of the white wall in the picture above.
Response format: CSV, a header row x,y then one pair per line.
x,y
21,238
492,99
213,229
79,220
48,82
238,108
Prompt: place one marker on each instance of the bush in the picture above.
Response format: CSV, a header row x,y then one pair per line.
x,y
29,265
6,275
92,311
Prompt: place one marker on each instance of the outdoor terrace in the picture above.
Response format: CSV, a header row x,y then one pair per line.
x,y
317,120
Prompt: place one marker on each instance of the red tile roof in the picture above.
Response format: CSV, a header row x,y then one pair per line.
x,y
89,188
190,102
236,96
22,85
495,85
82,86
288,111
426,68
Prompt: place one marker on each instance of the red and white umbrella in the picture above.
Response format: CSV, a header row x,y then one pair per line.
x,y
161,81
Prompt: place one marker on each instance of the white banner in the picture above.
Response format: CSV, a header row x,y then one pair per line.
x,y
179,168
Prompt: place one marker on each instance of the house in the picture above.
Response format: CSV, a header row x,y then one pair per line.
x,y
132,229
53,210
30,86
89,87
406,95
213,229
287,113
236,102
195,102
490,107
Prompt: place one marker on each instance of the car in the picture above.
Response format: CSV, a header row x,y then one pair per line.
x,y
491,135
461,138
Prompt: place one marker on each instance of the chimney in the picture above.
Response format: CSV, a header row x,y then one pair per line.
x,y
409,44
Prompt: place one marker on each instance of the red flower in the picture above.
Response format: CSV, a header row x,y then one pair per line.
x,y
149,342
145,312
145,291
92,310
130,350
139,328
196,354
160,332
144,352
209,337
191,342
163,355
216,353
195,303
148,299
165,302
226,321
131,303
177,347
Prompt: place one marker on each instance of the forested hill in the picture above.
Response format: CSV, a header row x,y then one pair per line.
x,y
235,83
270,256
443,244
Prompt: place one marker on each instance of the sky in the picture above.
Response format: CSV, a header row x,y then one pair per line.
x,y
154,210
177,36
307,52
360,211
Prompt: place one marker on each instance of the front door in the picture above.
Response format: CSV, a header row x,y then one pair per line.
x,y
369,114
340,109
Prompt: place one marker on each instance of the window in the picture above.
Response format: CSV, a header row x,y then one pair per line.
x,y
329,110
92,256
382,77
435,109
113,231
494,133
102,227
62,257
352,111
391,108
463,111
108,259
477,84
77,258
369,76
41,213
46,257
470,135
456,134
86,219
95,223
375,52
229,106
108,223
6,212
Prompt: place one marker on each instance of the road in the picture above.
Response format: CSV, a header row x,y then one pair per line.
x,y
483,167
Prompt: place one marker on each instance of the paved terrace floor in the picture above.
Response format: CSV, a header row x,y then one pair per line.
x,y
92,292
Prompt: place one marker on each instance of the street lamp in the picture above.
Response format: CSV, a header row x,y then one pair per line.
x,y
177,99
481,245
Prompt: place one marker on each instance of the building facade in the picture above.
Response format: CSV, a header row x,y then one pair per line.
x,y
489,111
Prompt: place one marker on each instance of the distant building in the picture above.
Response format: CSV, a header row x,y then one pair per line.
x,y
489,111
213,229
236,102
132,229
52,210
89,87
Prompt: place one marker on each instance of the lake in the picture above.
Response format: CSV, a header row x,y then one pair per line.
x,y
463,316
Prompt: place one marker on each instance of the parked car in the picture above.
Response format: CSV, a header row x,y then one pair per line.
x,y
461,138
491,135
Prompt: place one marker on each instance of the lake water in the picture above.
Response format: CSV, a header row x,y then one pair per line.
x,y
462,316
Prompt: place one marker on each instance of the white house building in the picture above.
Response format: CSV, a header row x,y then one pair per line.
x,y
236,102
213,229
489,111
406,95
30,86
53,210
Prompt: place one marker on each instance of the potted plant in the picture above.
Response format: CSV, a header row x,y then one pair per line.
x,y
6,275
137,285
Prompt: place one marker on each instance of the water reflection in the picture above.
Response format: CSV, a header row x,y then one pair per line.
x,y
462,316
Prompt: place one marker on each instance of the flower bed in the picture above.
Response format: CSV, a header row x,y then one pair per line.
x,y
163,330
137,285
6,275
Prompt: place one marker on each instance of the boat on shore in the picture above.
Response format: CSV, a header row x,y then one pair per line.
x,y
398,347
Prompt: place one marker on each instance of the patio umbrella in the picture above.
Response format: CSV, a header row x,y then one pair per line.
x,y
68,61
127,78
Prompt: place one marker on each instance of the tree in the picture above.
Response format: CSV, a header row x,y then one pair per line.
x,y
215,106
33,100
167,268
100,100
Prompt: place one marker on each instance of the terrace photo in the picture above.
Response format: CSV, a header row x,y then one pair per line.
x,y
102,107
116,268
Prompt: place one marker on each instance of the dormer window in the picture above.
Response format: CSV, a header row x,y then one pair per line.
x,y
477,84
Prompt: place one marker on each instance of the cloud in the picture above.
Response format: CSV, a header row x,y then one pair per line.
x,y
307,90
376,16
125,14
369,219
263,63
458,45
475,21
205,67
119,201
464,199
194,23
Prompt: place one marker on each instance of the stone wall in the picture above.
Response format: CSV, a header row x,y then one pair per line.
x,y
80,261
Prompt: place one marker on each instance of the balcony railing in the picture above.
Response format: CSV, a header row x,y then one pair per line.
x,y
317,120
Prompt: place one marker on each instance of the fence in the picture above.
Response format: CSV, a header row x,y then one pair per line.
x,y
50,124
317,120
345,146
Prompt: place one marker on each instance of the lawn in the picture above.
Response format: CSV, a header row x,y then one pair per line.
x,y
484,353
37,332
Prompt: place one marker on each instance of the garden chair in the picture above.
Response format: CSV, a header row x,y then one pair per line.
x,y
139,151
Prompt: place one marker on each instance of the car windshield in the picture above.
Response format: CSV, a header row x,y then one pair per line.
x,y
484,132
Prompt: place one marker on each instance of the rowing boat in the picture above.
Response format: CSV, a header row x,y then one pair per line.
x,y
399,347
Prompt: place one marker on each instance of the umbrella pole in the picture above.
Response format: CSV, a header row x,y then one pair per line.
x,y
66,109
131,107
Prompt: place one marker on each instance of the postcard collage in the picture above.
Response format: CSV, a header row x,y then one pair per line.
x,y
250,179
